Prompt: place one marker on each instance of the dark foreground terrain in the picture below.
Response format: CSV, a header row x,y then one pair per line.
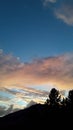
x,y
50,115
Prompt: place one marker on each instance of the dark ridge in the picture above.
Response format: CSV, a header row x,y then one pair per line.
x,y
53,114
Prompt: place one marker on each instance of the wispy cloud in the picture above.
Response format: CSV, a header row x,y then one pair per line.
x,y
63,10
46,2
65,13
2,111
14,99
51,70
5,111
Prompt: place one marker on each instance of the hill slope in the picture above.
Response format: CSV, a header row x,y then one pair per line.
x,y
37,116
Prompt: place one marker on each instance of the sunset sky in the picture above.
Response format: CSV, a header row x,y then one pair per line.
x,y
36,51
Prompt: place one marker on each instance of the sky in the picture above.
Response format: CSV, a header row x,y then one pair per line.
x,y
36,50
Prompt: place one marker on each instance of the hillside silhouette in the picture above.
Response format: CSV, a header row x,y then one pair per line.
x,y
55,113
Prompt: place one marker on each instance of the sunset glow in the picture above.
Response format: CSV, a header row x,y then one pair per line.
x,y
36,51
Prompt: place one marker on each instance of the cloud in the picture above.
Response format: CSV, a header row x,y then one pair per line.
x,y
63,10
31,103
19,81
56,70
4,111
46,2
65,13
15,99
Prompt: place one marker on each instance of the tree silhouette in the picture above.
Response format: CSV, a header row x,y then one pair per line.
x,y
47,101
54,96
70,97
67,102
58,111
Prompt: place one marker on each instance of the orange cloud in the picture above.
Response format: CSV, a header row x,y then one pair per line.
x,y
51,70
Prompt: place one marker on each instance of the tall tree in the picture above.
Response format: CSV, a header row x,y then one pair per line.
x,y
54,96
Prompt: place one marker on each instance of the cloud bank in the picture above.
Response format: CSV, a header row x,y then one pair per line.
x,y
18,80
56,70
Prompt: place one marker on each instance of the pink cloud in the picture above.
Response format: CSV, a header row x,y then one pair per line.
x,y
51,70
